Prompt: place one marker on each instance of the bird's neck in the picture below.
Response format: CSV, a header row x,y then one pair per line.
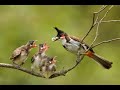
x,y
27,48
42,53
65,40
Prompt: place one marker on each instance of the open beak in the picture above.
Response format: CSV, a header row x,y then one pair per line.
x,y
54,61
46,46
34,44
55,38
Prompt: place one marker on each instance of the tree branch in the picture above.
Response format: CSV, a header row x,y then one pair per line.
x,y
21,69
64,72
110,21
94,22
98,24
105,42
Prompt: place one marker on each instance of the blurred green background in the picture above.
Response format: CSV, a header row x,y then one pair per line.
x,y
21,23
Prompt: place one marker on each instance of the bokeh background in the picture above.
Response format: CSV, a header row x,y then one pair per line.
x,y
20,23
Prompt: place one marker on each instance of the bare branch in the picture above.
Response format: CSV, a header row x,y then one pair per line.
x,y
98,24
106,13
94,20
105,42
98,13
21,69
63,72
95,36
110,21
55,74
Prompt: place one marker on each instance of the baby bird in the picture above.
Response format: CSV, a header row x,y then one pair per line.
x,y
39,59
49,67
20,54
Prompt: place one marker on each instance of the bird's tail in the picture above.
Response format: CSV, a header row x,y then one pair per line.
x,y
105,63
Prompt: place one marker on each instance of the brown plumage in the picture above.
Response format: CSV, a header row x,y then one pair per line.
x,y
41,62
21,53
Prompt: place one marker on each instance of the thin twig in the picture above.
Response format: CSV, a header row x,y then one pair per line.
x,y
95,36
64,72
21,69
106,13
110,21
105,42
98,13
94,22
98,24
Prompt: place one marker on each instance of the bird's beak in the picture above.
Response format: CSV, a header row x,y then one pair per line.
x,y
34,44
55,38
46,45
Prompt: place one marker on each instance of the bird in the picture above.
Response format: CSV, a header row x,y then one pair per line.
x,y
75,45
49,67
20,54
40,58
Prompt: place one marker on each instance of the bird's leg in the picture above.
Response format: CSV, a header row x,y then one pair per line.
x,y
80,55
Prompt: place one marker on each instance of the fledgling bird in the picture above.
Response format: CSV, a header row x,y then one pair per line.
x,y
73,45
20,54
49,67
38,60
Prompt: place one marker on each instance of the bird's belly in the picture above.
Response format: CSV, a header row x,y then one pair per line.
x,y
21,59
37,62
72,48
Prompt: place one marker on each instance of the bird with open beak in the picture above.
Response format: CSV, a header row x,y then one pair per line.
x,y
74,45
49,67
40,58
20,54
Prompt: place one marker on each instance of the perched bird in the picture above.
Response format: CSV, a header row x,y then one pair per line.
x,y
49,67
21,53
73,45
40,58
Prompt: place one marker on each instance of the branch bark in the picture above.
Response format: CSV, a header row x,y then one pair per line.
x,y
64,72
21,69
105,42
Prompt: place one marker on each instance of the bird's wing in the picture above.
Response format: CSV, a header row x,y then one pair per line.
x,y
33,58
84,44
17,52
